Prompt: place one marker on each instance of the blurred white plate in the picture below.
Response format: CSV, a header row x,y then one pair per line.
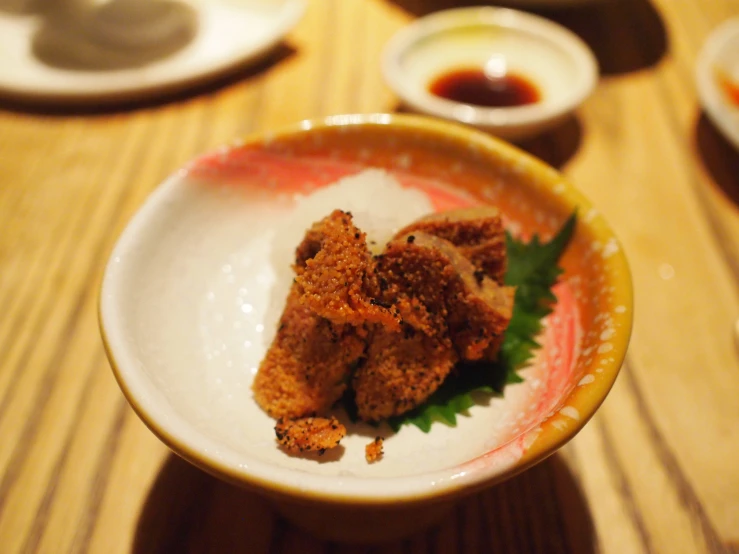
x,y
229,33
719,59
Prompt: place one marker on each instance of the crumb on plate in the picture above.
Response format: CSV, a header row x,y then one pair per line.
x,y
373,451
309,434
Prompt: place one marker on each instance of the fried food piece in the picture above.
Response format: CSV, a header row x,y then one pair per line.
x,y
477,232
308,365
309,434
336,274
472,308
401,371
373,451
458,315
416,277
479,312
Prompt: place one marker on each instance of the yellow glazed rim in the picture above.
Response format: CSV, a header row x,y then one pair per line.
x,y
554,432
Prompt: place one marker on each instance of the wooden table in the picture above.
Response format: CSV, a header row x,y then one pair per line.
x,y
656,470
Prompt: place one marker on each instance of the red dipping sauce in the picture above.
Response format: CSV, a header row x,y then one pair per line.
x,y
473,86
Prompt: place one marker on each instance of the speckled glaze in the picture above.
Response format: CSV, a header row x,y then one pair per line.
x,y
196,242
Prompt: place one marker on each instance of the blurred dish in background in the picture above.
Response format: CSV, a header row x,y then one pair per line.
x,y
119,34
505,71
728,86
124,50
549,3
717,77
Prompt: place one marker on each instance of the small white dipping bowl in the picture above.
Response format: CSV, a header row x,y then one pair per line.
x,y
553,58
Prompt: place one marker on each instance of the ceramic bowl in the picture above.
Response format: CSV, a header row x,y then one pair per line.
x,y
186,302
717,78
549,3
499,41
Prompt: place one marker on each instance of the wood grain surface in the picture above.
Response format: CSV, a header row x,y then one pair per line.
x,y
656,470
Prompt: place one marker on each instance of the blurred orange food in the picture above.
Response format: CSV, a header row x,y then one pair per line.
x,y
729,87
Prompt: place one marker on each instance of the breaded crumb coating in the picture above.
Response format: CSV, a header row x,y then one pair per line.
x,y
478,319
462,316
373,451
477,232
335,273
401,371
309,434
476,310
307,367
479,313
417,276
